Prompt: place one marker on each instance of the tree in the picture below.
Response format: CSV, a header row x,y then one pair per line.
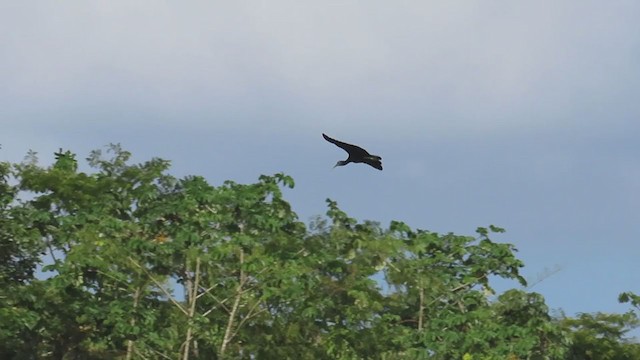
x,y
141,264
602,336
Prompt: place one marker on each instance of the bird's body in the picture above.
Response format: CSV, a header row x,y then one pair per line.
x,y
356,154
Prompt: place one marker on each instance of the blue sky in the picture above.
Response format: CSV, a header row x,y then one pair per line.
x,y
520,114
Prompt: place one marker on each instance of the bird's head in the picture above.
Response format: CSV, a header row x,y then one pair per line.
x,y
340,163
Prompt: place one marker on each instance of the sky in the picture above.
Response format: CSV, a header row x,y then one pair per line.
x,y
524,115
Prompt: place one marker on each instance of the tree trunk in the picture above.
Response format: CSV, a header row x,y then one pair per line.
x,y
421,310
234,309
132,322
192,298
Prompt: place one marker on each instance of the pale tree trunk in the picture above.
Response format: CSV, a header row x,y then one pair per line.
x,y
421,310
166,293
193,297
132,322
228,334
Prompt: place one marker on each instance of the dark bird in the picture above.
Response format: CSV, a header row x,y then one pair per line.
x,y
356,154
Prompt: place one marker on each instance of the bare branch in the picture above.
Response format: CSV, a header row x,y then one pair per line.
x,y
192,309
157,352
421,309
161,287
546,273
234,309
250,315
219,302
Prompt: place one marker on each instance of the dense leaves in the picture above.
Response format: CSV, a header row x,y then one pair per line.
x,y
602,336
135,263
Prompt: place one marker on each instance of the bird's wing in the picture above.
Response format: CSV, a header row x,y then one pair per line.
x,y
351,149
375,162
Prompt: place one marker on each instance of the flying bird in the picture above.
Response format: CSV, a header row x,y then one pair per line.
x,y
356,154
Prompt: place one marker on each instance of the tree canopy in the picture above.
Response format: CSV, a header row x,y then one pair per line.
x,y
126,261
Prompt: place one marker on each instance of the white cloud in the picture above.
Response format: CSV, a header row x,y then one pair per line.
x,y
412,68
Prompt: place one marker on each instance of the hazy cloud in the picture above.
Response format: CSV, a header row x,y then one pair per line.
x,y
414,68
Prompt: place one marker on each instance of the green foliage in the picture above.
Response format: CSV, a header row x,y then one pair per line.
x,y
140,264
629,297
602,336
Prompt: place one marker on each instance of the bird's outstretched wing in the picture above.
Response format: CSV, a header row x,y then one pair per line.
x,y
351,149
374,161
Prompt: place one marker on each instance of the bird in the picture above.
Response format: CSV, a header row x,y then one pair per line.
x,y
356,154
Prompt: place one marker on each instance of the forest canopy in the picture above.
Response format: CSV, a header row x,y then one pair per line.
x,y
127,261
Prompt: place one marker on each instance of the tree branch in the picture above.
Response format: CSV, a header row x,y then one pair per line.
x,y
171,298
192,309
234,309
